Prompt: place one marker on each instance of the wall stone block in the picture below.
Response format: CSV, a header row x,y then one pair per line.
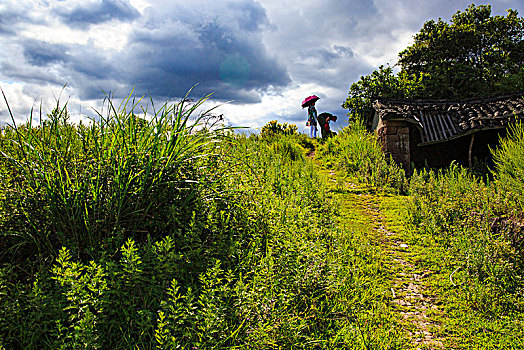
x,y
390,130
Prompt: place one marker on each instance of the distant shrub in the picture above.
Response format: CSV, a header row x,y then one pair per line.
x,y
274,127
288,148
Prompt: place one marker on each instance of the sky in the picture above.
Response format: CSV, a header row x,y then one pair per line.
x,y
258,58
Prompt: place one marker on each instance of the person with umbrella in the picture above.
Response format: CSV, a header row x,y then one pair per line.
x,y
309,102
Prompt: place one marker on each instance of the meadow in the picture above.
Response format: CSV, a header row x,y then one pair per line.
x,y
171,231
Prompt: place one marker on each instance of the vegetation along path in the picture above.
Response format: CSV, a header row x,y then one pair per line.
x,y
381,217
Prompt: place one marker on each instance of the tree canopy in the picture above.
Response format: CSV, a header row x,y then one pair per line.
x,y
475,54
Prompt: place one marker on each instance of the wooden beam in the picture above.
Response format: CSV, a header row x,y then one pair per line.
x,y
425,137
431,127
470,150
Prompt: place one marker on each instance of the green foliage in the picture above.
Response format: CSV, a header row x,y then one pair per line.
x,y
473,55
459,194
288,148
359,155
458,210
274,127
83,287
235,245
380,83
200,320
509,165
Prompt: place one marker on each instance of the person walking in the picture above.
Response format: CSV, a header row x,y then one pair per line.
x,y
309,102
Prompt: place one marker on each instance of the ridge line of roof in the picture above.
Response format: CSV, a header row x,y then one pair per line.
x,y
472,100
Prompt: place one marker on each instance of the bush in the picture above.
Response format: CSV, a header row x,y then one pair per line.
x,y
509,165
274,127
359,154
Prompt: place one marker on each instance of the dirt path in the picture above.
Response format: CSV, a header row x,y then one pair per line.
x,y
410,297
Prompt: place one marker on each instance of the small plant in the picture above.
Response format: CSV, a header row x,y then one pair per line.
x,y
83,287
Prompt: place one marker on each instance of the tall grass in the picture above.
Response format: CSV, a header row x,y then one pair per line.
x,y
83,186
470,231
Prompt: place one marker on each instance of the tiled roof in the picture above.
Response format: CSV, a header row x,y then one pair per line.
x,y
440,120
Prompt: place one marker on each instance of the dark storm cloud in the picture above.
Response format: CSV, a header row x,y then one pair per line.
x,y
99,12
223,55
94,64
173,47
40,53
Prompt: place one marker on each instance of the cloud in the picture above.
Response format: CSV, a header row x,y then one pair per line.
x,y
41,54
13,14
90,12
223,53
172,46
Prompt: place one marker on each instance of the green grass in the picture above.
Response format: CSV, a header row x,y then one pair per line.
x,y
476,271
359,154
172,232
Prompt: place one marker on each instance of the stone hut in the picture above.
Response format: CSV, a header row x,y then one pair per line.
x,y
435,132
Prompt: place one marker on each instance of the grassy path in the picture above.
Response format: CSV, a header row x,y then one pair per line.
x,y
379,217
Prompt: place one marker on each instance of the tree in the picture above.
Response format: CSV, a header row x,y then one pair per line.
x,y
474,55
381,83
471,56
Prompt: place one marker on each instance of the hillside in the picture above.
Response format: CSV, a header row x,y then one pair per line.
x,y
173,232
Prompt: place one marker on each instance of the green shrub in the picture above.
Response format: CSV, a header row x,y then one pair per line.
x,y
509,164
274,127
358,153
287,148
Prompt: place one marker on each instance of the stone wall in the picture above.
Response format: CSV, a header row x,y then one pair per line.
x,y
394,137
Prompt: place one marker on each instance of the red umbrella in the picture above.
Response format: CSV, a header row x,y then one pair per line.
x,y
310,100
